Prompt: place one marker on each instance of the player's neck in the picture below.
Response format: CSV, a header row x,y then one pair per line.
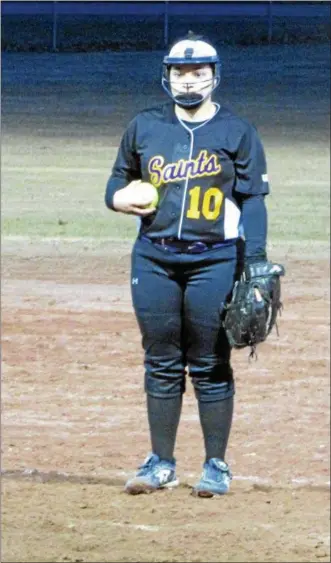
x,y
202,113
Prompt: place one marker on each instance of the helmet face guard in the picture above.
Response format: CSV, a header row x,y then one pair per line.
x,y
191,52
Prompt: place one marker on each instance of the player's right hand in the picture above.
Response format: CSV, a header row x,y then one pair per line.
x,y
131,201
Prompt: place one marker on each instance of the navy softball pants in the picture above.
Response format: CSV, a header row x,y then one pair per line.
x,y
178,301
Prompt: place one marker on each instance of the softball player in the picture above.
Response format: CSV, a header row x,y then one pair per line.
x,y
209,168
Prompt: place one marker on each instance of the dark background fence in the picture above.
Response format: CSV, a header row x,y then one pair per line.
x,y
88,26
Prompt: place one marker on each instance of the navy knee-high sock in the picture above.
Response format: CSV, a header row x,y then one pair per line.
x,y
163,419
216,420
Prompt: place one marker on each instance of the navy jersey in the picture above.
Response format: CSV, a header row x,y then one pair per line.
x,y
201,171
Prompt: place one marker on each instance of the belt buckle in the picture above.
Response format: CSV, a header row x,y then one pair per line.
x,y
197,247
165,245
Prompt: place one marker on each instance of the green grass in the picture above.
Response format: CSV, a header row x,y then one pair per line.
x,y
69,202
65,206
299,215
289,219
115,226
56,156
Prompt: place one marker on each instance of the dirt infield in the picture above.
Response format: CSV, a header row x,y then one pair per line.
x,y
74,424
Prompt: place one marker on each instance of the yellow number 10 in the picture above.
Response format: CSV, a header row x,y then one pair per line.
x,y
211,203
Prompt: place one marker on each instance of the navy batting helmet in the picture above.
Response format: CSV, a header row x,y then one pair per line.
x,y
192,50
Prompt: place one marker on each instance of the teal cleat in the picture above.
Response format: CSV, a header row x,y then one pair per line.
x,y
152,475
215,479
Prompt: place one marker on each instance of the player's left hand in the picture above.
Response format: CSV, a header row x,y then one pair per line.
x,y
255,305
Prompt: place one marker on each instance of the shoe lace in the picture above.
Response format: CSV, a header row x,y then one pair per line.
x,y
149,462
217,472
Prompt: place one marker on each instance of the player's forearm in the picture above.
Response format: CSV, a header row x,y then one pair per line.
x,y
114,184
255,224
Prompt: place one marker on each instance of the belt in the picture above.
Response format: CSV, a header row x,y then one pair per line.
x,y
172,244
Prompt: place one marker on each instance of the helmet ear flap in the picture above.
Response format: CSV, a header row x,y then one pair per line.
x,y
166,72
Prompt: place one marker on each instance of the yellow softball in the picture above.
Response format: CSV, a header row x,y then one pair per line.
x,y
149,193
